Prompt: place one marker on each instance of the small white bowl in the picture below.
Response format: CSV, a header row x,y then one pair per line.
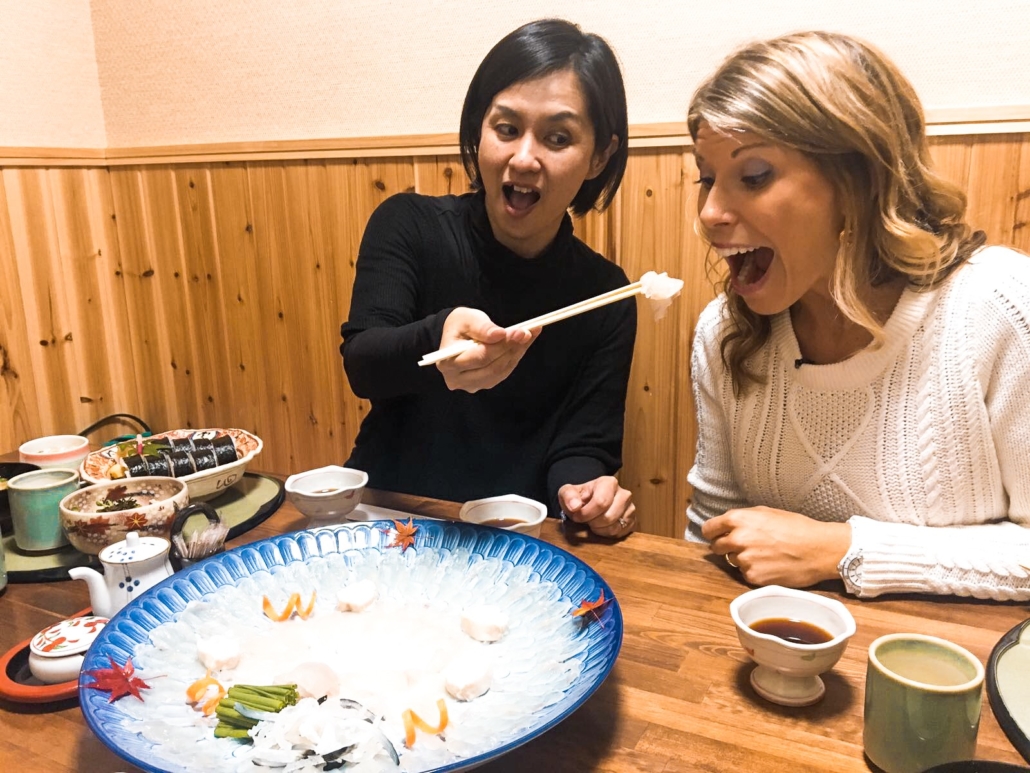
x,y
66,451
510,512
56,653
788,672
328,494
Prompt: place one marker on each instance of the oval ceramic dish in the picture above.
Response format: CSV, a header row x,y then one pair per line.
x,y
1008,686
206,484
457,548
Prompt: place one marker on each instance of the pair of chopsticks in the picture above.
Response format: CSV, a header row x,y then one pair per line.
x,y
618,294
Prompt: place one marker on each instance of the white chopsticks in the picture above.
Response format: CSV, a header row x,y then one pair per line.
x,y
618,294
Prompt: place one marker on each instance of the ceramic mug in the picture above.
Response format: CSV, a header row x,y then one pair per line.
x,y
35,498
922,702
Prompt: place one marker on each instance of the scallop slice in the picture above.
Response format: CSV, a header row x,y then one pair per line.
x,y
313,678
357,596
468,676
217,653
484,622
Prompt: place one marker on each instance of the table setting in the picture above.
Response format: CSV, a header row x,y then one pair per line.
x,y
569,651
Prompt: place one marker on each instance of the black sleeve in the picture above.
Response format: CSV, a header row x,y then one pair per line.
x,y
384,336
588,443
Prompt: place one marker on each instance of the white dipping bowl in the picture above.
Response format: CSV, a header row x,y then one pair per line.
x,y
788,672
328,494
66,451
511,512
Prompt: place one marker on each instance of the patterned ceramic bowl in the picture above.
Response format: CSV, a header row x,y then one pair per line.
x,y
100,515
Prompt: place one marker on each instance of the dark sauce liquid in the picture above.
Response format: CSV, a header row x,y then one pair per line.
x,y
502,523
795,631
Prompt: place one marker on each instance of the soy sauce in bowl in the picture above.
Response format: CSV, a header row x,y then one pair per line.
x,y
794,631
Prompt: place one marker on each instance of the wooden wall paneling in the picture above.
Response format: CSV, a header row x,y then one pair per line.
x,y
96,300
146,220
310,301
951,159
701,274
211,394
993,184
19,405
440,175
245,369
1021,205
652,209
47,292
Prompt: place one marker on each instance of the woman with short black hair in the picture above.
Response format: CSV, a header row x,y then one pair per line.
x,y
532,412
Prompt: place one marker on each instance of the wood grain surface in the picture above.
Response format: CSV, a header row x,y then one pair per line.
x,y
211,294
677,700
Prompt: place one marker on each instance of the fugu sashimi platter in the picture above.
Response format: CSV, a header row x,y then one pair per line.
x,y
377,646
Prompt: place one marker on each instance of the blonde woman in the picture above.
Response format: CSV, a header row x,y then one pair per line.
x,y
861,381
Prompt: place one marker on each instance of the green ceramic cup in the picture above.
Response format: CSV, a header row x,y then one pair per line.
x,y
35,498
922,702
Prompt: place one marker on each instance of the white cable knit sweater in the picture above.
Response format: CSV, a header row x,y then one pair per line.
x,y
923,445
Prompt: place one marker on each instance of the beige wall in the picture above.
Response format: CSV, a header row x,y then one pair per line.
x,y
49,89
177,72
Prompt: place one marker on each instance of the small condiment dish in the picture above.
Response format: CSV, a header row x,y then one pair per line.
x,y
510,511
788,671
56,653
65,451
327,494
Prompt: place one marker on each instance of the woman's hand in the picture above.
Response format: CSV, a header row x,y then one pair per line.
x,y
602,504
777,547
487,365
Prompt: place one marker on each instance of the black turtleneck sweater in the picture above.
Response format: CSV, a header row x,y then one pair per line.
x,y
557,419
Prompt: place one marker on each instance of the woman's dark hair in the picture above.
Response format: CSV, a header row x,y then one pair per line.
x,y
533,51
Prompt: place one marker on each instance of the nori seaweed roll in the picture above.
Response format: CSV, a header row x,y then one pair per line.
x,y
182,444
204,459
158,464
136,466
159,444
225,449
203,444
182,463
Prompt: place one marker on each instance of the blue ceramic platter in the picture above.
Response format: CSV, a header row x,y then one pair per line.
x,y
164,602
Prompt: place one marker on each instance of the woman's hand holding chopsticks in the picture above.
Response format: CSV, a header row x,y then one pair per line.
x,y
492,357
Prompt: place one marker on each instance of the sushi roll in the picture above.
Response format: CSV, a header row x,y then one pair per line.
x,y
157,464
203,444
205,459
136,466
159,445
182,444
181,463
225,449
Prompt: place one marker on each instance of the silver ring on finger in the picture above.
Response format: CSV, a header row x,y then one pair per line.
x,y
623,523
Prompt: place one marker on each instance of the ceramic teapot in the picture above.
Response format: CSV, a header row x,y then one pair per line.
x,y
130,567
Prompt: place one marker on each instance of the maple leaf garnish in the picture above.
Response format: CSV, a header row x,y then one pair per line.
x,y
117,681
590,607
405,534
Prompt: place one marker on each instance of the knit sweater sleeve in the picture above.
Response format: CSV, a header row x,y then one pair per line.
x,y
991,559
715,488
384,335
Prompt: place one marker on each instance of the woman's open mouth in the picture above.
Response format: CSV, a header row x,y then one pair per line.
x,y
520,198
748,267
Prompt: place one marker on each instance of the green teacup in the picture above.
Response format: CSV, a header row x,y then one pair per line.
x,y
35,498
922,702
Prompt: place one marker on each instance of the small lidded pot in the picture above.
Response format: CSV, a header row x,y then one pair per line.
x,y
56,653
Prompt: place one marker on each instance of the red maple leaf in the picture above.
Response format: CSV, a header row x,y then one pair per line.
x,y
590,607
118,681
405,534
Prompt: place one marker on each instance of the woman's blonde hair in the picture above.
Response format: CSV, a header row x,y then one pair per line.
x,y
847,107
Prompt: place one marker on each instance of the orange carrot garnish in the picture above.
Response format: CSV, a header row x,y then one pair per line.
x,y
305,613
292,605
196,691
413,720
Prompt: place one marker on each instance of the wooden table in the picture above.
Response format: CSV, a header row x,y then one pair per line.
x,y
677,700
